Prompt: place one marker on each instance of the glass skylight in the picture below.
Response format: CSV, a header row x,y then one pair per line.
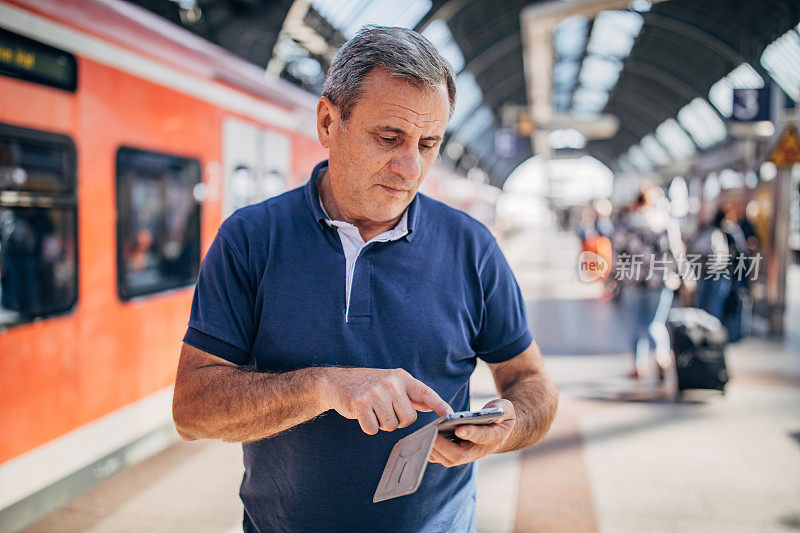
x,y
625,164
613,33
639,159
742,77
348,16
479,122
561,100
565,73
569,37
611,41
745,77
600,73
782,60
702,123
588,101
674,140
654,151
468,97
439,34
569,41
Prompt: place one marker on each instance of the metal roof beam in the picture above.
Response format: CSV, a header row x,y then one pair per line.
x,y
537,23
642,100
662,76
501,89
498,49
444,12
697,34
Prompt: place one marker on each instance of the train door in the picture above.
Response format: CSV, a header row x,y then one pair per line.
x,y
275,161
256,164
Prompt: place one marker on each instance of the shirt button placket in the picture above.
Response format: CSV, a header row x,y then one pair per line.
x,y
361,289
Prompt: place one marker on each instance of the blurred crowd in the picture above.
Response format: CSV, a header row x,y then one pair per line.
x,y
653,260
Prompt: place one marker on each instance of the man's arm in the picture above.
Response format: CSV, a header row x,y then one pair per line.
x,y
217,399
524,382
529,398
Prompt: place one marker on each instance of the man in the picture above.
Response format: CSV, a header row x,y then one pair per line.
x,y
325,318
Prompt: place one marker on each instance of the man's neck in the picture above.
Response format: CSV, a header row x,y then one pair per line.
x,y
367,229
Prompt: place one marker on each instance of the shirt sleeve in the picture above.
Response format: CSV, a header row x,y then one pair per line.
x,y
504,332
222,320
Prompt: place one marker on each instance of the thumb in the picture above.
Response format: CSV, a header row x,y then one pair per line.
x,y
487,434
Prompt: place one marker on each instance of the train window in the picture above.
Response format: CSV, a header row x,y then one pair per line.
x,y
39,166
38,225
158,222
256,162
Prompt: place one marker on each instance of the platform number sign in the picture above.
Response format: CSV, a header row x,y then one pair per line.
x,y
751,105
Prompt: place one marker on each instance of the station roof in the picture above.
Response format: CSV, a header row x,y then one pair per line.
x,y
656,66
684,48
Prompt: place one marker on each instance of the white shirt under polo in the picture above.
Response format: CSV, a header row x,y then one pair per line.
x,y
352,243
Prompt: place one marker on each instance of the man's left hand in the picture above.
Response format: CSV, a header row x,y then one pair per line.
x,y
476,440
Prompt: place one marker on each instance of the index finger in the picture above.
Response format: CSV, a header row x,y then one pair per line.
x,y
423,396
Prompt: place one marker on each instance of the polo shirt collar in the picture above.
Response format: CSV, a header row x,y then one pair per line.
x,y
399,230
410,216
312,194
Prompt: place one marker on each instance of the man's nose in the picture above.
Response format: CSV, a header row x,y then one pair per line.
x,y
407,163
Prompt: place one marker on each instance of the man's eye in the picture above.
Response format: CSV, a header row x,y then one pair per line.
x,y
388,140
427,146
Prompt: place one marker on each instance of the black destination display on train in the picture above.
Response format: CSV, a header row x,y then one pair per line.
x,y
31,60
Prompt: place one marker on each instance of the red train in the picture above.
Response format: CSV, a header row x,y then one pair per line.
x,y
124,141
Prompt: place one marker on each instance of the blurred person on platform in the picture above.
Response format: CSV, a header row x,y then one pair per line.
x,y
587,225
596,220
736,314
748,225
718,245
603,222
325,318
595,230
649,251
722,290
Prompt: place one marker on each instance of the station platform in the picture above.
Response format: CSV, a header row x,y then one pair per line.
x,y
622,455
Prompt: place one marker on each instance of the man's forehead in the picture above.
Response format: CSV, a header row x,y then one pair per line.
x,y
399,113
387,97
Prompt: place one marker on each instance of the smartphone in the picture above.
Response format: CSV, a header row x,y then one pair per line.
x,y
447,427
409,457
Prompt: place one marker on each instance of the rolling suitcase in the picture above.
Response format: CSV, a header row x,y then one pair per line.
x,y
698,341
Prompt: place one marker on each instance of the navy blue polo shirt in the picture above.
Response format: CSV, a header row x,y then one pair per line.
x,y
271,295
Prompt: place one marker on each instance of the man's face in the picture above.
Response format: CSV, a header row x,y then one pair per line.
x,y
380,156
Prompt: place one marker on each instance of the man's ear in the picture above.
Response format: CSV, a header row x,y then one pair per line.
x,y
327,114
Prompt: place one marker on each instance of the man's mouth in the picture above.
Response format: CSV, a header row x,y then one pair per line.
x,y
393,190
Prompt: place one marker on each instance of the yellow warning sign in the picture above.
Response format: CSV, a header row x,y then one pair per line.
x,y
787,151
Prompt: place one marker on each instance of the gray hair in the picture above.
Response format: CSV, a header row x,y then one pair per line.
x,y
402,52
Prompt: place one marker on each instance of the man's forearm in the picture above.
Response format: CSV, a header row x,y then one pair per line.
x,y
535,400
228,403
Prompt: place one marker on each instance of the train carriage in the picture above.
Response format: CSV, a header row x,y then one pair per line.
x,y
124,142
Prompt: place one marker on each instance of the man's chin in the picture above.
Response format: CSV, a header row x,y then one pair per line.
x,y
389,219
391,209
386,216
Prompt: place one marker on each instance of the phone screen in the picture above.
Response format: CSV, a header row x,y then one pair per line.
x,y
485,416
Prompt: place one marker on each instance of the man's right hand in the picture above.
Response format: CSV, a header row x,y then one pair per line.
x,y
379,398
